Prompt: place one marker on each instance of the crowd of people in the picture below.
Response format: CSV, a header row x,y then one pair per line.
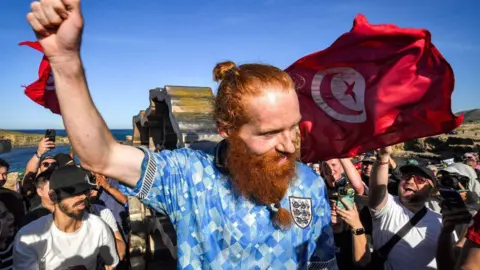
x,y
59,216
382,215
385,197
247,203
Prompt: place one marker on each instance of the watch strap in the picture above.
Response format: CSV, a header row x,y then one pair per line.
x,y
358,231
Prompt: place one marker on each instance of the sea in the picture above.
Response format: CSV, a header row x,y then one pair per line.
x,y
18,157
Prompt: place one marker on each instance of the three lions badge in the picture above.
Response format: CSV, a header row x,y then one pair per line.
x,y
301,210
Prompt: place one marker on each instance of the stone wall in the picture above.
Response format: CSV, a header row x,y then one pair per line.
x,y
177,116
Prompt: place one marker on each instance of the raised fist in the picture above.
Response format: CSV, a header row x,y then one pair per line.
x,y
58,25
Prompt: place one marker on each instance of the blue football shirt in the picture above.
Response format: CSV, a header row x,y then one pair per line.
x,y
217,229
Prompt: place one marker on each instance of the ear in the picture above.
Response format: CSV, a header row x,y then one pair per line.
x,y
53,196
39,191
223,129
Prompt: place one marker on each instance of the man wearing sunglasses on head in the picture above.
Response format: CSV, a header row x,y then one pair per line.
x,y
404,218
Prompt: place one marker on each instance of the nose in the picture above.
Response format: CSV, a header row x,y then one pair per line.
x,y
83,196
408,178
287,142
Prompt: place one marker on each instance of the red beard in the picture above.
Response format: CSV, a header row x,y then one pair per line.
x,y
259,178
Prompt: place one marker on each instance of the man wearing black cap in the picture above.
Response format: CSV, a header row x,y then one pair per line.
x,y
390,214
69,237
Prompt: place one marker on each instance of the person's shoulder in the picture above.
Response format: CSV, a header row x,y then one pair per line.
x,y
34,214
305,171
306,174
93,219
183,156
36,228
435,216
307,182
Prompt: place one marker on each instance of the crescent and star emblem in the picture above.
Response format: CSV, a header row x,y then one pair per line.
x,y
340,93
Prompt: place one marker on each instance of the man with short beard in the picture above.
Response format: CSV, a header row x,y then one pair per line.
x,y
416,250
69,237
246,203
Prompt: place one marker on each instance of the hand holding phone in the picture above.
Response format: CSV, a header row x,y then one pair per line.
x,y
50,134
452,199
454,210
346,194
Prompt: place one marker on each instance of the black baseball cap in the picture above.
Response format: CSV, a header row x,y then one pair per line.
x,y
69,181
422,170
369,159
63,159
42,158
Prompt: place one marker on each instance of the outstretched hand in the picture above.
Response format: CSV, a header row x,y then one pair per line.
x,y
58,25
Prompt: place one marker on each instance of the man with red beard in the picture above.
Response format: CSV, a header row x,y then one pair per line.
x,y
244,204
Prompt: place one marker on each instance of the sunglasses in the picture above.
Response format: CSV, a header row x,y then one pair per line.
x,y
417,178
48,164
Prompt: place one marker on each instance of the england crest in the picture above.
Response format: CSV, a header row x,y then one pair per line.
x,y
301,210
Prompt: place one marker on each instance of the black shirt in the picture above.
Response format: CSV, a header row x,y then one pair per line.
x,y
6,256
35,214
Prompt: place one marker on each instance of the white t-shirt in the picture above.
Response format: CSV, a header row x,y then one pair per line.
x,y
417,249
41,245
106,215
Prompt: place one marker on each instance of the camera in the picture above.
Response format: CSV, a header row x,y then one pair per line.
x,y
453,180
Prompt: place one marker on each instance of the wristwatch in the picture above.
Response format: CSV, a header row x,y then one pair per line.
x,y
358,231
36,154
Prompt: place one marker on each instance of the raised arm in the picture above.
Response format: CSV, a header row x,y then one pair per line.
x,y
58,25
378,194
353,175
34,163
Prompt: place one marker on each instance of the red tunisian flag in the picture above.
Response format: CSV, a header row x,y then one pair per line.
x,y
43,90
376,85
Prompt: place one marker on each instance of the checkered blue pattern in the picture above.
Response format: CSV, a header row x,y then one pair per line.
x,y
218,230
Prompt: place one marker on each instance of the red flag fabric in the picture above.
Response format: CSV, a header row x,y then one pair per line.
x,y
376,85
42,91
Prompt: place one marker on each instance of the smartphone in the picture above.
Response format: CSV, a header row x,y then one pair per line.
x,y
347,193
50,134
452,199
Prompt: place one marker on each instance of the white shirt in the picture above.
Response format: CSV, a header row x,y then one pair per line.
x,y
417,249
41,245
106,215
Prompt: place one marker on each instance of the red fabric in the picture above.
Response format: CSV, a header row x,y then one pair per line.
x,y
42,91
473,233
389,85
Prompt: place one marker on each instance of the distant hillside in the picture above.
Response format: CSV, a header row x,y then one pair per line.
x,y
19,139
472,115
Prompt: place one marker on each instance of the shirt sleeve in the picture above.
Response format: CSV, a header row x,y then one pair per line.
x,y
387,208
107,216
24,256
162,180
324,254
108,250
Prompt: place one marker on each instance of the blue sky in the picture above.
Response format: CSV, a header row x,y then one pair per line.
x,y
131,46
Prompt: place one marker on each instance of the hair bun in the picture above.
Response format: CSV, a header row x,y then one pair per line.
x,y
222,69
